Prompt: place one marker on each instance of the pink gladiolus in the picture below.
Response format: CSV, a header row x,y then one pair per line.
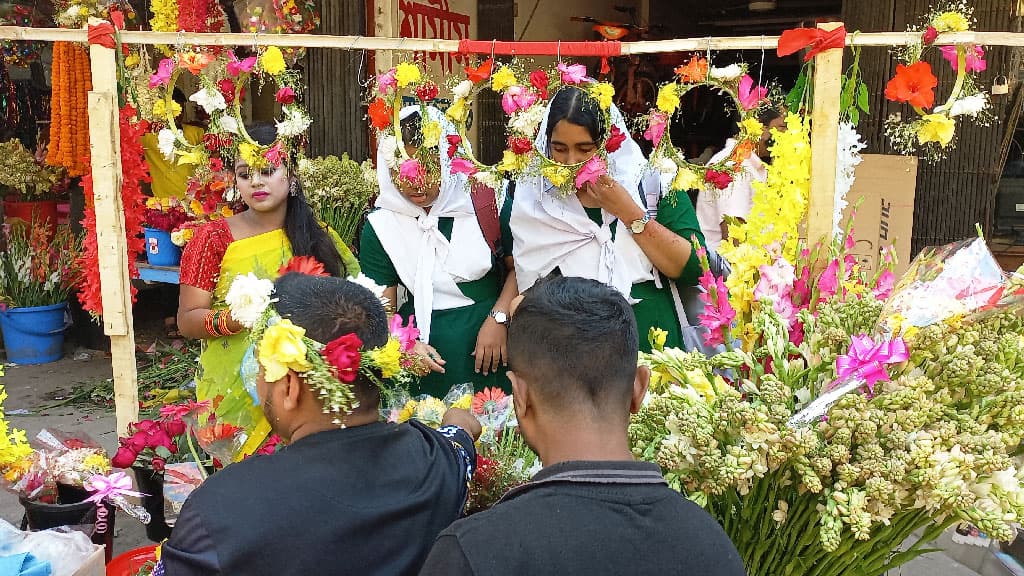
x,y
828,284
463,166
386,81
749,96
275,155
975,61
574,74
883,288
236,66
591,171
412,171
517,98
163,73
406,334
718,314
656,129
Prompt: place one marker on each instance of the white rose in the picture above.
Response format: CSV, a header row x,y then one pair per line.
x,y
248,297
178,238
165,142
730,72
463,89
969,106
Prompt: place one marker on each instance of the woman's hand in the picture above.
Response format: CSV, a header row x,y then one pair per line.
x,y
490,346
608,194
431,359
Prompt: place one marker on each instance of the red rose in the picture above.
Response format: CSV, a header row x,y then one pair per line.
x,y
124,458
615,140
158,464
720,180
174,427
539,80
145,426
158,438
136,442
427,91
453,144
285,95
343,354
929,36
520,145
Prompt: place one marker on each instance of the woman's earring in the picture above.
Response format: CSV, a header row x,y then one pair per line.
x,y
293,190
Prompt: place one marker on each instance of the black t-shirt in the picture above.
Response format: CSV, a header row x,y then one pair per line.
x,y
609,518
363,500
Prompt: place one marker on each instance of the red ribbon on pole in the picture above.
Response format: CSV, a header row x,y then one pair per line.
x,y
815,39
103,34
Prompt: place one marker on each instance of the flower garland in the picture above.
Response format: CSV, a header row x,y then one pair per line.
x,y
732,81
165,19
76,13
134,171
329,369
69,108
933,132
200,16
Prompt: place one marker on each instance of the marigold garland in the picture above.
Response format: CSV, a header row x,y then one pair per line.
x,y
69,108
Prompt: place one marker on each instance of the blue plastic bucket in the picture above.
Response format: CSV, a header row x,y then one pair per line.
x,y
160,251
34,334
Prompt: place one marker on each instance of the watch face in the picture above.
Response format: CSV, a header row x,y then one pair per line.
x,y
638,226
500,317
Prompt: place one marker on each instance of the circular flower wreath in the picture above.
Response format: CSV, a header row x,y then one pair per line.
x,y
732,81
222,82
932,132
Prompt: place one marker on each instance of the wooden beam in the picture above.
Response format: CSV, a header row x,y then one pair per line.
x,y
384,18
105,153
828,80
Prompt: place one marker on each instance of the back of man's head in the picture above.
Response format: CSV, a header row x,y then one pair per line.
x,y
328,308
574,341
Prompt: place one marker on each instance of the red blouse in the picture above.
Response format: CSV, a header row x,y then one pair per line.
x,y
200,262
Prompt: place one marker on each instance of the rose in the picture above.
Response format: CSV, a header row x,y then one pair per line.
x,y
135,443
539,80
929,36
174,427
453,144
462,90
591,171
247,298
282,349
124,458
343,355
159,464
718,179
463,166
159,438
285,95
615,139
427,91
519,145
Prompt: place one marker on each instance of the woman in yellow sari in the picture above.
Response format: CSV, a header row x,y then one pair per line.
x,y
278,224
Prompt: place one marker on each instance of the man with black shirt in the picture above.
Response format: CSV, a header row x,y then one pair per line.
x,y
367,498
592,510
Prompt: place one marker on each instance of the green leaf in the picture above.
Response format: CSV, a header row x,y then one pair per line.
x,y
863,98
162,452
854,116
846,96
796,95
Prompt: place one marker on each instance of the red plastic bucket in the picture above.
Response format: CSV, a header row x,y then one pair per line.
x,y
129,563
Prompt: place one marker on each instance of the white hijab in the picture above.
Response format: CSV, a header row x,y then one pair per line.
x,y
422,256
553,232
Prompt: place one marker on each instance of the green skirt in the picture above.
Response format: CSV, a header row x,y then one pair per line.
x,y
655,310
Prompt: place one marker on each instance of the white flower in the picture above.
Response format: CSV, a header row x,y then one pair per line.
x,y
848,158
969,106
178,238
488,179
248,297
463,89
294,123
730,72
665,166
229,124
369,284
165,142
389,149
528,120
368,171
209,99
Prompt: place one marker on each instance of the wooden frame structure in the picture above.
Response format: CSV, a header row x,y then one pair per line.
x,y
104,138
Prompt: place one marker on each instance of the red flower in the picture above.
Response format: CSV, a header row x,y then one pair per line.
x,y
216,165
184,409
158,464
539,80
146,426
159,438
216,431
269,446
427,91
489,400
124,458
175,427
136,442
227,90
720,180
215,142
481,72
307,265
285,95
380,114
343,354
453,144
615,139
520,145
913,84
929,36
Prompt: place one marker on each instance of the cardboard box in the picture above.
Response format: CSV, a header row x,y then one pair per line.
x,y
95,565
885,186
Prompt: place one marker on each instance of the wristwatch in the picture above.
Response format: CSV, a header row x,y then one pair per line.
x,y
637,227
499,317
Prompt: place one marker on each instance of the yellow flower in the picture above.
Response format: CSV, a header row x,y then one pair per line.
x,y
97,463
160,108
226,211
951,22
283,349
187,234
457,111
668,98
131,61
658,378
512,162
251,155
430,411
159,550
699,381
407,411
502,79
465,402
153,203
272,61
603,92
195,157
752,127
936,128
685,179
406,73
557,175
196,207
431,134
83,11
387,358
657,337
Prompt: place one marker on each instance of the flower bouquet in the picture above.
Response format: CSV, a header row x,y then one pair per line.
x,y
26,176
340,190
165,214
37,268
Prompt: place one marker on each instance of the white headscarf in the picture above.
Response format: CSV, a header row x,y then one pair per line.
x,y
422,256
553,232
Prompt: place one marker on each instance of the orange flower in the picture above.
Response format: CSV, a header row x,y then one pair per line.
x,y
380,114
913,84
742,151
194,62
215,432
303,265
489,400
696,70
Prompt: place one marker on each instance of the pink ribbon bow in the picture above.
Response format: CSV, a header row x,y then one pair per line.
x,y
117,484
866,360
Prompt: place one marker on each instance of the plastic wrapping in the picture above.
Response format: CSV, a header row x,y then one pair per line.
x,y
180,480
60,459
66,551
221,440
428,409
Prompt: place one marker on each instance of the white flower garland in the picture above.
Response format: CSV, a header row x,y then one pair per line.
x,y
848,157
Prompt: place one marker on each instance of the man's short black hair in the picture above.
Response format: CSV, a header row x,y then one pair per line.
x,y
328,308
575,341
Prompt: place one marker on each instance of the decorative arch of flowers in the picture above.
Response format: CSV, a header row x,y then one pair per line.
x,y
932,133
732,81
222,82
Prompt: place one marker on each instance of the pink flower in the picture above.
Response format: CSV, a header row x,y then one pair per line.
x,y
718,314
775,286
184,409
591,171
883,287
517,98
159,464
615,139
406,334
975,60
344,356
749,96
828,283
656,129
163,73
236,66
463,166
718,179
175,427
412,171
929,36
386,81
574,74
285,95
124,458
275,155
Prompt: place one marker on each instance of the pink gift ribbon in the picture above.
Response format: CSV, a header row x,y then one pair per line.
x,y
117,484
866,360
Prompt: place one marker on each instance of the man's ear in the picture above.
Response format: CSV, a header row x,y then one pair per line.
x,y
640,384
520,395
293,391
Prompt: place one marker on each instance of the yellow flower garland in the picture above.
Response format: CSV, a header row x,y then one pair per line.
x,y
165,19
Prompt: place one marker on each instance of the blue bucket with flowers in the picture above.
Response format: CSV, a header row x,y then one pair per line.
x,y
160,250
34,334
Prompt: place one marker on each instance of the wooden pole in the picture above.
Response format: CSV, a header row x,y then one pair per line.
x,y
105,149
384,18
828,80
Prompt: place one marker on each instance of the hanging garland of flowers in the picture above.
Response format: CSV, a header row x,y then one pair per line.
x,y
200,16
932,133
69,110
165,19
732,81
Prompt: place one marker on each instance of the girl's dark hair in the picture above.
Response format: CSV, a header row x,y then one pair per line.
x,y
305,233
768,114
412,132
576,107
